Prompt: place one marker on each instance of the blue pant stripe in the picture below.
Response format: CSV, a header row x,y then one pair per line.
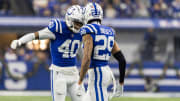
x,y
100,84
95,85
52,88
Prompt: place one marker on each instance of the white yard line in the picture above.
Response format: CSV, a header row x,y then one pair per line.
x,y
126,94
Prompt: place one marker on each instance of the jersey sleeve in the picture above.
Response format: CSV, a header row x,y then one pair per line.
x,y
87,29
55,26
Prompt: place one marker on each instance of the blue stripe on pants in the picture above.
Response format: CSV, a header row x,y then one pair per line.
x,y
95,85
52,88
100,84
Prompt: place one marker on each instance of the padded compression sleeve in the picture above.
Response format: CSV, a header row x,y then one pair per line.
x,y
26,38
46,34
42,34
122,65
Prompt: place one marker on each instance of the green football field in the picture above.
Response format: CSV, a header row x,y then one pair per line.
x,y
47,98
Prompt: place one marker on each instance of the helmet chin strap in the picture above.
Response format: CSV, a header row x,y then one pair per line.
x,y
73,29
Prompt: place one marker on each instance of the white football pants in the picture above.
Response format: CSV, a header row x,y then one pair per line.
x,y
64,80
99,79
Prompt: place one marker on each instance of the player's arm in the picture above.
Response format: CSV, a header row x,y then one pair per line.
x,y
118,55
88,46
42,34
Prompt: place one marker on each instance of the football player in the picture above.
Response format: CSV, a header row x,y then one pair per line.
x,y
99,44
65,41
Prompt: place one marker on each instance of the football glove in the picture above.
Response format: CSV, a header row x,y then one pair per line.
x,y
119,91
15,44
80,90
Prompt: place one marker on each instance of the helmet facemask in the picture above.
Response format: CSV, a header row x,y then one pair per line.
x,y
76,25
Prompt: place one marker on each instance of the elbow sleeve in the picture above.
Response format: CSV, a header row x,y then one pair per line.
x,y
42,34
122,65
46,34
26,38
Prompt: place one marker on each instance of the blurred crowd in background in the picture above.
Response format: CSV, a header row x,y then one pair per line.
x,y
23,54
151,48
112,8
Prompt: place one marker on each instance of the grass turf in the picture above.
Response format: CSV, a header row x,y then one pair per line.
x,y
47,98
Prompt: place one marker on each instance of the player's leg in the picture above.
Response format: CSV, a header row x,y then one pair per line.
x,y
72,89
106,75
99,79
102,77
92,93
58,86
88,96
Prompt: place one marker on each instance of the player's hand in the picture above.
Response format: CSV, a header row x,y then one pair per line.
x,y
119,90
80,90
15,44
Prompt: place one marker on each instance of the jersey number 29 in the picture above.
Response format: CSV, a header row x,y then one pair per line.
x,y
105,48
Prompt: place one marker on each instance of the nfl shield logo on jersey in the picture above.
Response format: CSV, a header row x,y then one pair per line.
x,y
83,31
51,24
